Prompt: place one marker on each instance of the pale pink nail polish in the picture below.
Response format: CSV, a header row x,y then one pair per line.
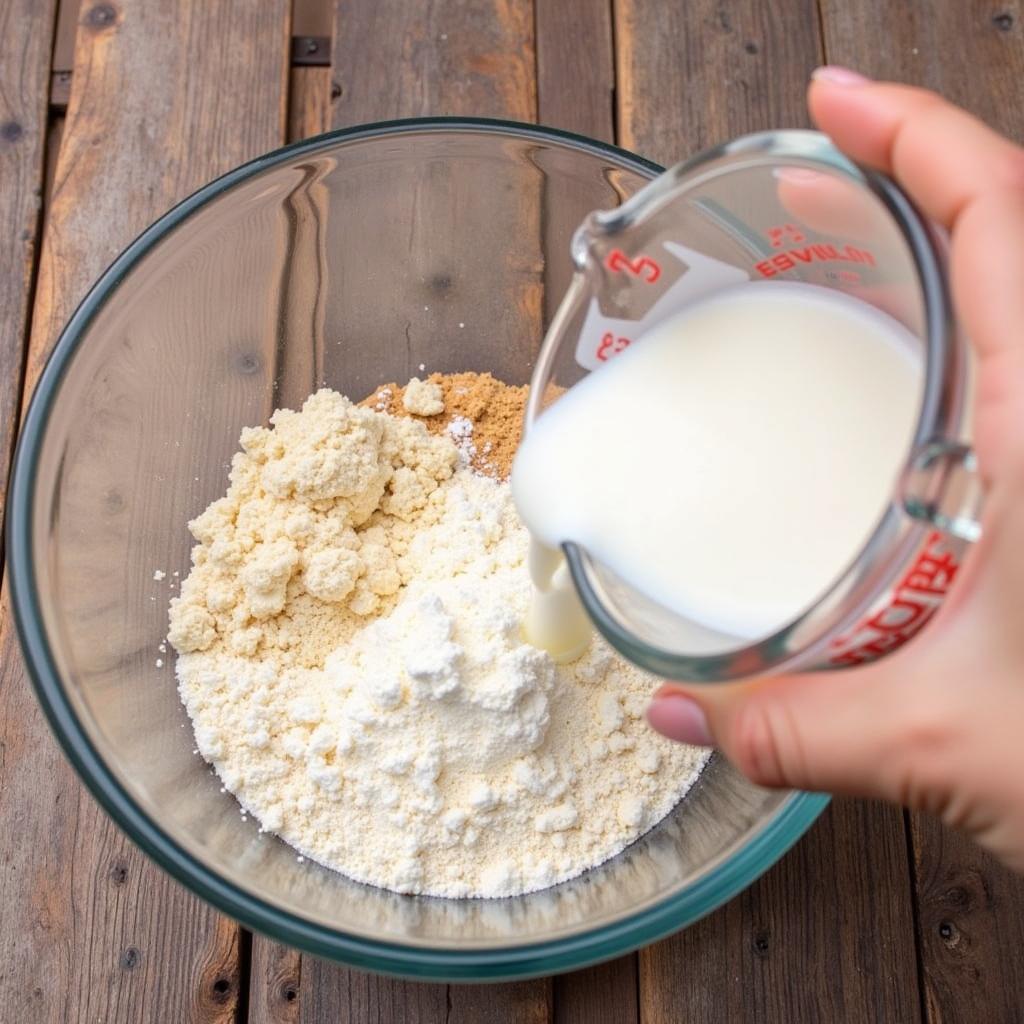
x,y
680,719
798,175
837,75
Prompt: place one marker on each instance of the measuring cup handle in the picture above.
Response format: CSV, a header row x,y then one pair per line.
x,y
941,485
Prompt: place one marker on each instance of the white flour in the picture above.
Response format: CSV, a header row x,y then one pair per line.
x,y
417,744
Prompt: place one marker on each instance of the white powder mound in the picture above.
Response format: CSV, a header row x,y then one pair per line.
x,y
424,748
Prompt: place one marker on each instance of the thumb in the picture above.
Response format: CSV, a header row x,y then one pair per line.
x,y
840,732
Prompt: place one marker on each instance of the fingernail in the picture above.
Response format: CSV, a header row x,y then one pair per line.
x,y
839,75
798,175
680,719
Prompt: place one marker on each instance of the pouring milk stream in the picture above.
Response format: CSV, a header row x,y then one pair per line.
x,y
730,464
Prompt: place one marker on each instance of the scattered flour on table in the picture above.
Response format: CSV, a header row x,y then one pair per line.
x,y
350,655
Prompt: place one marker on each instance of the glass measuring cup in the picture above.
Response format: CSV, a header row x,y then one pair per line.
x,y
779,206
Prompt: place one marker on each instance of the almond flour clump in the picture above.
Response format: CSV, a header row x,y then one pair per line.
x,y
316,514
423,398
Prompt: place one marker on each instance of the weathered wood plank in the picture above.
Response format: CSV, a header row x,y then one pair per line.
x,y
332,993
827,934
275,983
309,102
972,52
26,37
89,929
313,17
688,76
523,1002
395,59
695,74
606,993
575,67
970,909
971,924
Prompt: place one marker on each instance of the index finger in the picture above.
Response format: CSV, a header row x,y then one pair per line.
x,y
943,156
969,178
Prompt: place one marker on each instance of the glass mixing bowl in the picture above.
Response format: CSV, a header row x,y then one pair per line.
x,y
351,259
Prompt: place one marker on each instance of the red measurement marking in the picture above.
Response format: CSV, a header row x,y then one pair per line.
x,y
914,602
843,276
792,258
643,266
611,346
783,233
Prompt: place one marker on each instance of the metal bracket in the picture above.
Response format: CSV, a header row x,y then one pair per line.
x,y
311,51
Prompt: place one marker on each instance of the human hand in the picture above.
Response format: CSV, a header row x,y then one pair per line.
x,y
938,725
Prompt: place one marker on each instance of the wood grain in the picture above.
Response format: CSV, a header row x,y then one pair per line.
x,y
972,51
89,929
971,923
275,987
605,993
575,67
827,934
312,17
692,75
396,59
26,36
524,1002
309,102
970,908
335,993
209,125
339,994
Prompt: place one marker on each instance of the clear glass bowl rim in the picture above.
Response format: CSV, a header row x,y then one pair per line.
x,y
732,874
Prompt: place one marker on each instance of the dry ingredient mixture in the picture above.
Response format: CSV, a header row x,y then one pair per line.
x,y
349,651
483,416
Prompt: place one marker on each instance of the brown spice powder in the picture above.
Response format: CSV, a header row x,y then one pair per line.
x,y
494,409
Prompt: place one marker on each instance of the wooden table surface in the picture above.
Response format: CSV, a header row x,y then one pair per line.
x,y
112,111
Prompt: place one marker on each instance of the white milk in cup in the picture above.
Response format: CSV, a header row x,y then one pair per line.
x,y
745,440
